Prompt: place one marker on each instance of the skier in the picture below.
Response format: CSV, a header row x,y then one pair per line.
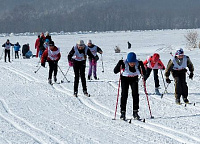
x,y
37,45
77,58
41,47
178,68
153,62
131,68
93,62
48,37
129,45
52,56
25,49
17,49
7,46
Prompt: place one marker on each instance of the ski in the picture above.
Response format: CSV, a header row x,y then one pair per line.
x,y
130,120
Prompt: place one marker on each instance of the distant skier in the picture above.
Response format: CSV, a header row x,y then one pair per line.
x,y
77,58
7,46
37,45
178,68
17,49
25,49
129,45
48,37
93,62
41,47
153,63
131,69
52,56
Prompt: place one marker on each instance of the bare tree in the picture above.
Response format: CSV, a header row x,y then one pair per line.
x,y
191,38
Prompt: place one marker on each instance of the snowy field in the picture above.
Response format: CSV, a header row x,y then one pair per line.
x,y
33,112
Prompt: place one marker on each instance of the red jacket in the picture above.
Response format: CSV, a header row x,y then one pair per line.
x,y
54,55
37,43
152,64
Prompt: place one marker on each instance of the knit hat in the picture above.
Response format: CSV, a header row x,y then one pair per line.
x,y
131,57
51,43
155,57
89,41
80,43
179,52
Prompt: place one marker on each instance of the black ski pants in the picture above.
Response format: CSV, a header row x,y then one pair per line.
x,y
53,67
155,74
133,82
16,54
181,87
7,52
79,71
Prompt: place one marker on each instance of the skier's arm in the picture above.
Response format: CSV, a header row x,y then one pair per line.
x,y
190,65
89,53
3,45
11,44
141,67
118,67
169,68
70,55
161,64
44,57
99,50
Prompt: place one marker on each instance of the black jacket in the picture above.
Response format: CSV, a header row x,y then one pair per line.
x,y
132,69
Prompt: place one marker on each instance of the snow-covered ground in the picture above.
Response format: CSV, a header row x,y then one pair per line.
x,y
32,111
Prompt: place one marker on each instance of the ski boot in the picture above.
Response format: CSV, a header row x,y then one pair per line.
x,y
55,79
157,91
86,93
76,94
50,81
123,115
178,101
186,100
89,78
135,115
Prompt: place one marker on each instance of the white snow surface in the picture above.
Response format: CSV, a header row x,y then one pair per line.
x,y
33,112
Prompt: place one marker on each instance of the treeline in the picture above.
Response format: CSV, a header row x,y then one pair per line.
x,y
98,15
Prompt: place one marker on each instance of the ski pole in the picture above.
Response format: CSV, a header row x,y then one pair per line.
x,y
117,94
63,74
163,79
165,91
102,63
145,91
37,69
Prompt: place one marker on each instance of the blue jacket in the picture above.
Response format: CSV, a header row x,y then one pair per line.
x,y
17,47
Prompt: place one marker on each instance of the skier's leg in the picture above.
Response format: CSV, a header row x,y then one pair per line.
x,y
124,93
148,72
90,69
9,55
184,88
135,93
82,74
156,80
76,67
95,69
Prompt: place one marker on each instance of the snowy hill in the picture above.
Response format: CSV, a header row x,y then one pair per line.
x,y
32,111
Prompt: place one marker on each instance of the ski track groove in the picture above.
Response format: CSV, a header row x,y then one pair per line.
x,y
166,128
105,114
26,123
5,140
83,101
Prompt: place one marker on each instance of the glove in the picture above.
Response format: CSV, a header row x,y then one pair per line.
x,y
163,68
70,63
43,64
96,58
191,75
168,80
